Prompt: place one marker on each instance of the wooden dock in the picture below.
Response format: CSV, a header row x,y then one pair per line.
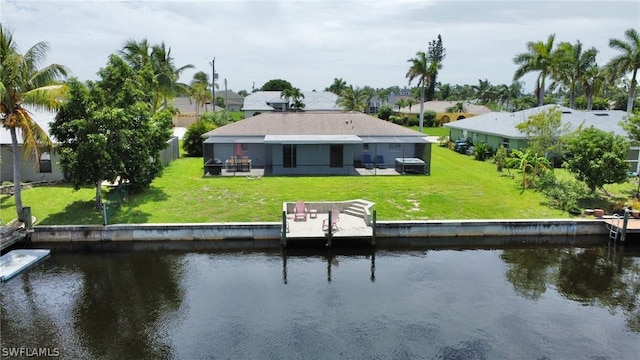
x,y
10,235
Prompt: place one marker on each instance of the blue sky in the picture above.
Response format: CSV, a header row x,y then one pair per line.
x,y
309,43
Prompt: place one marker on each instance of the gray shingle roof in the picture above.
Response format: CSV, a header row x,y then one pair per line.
x,y
317,123
504,123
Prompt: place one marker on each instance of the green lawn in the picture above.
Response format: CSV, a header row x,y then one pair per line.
x,y
458,188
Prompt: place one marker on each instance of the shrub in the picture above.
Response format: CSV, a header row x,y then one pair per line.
x,y
563,194
413,121
481,151
430,119
384,112
501,158
192,140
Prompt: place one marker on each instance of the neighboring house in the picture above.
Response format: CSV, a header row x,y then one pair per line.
x,y
49,168
233,101
327,143
188,111
499,128
442,110
270,101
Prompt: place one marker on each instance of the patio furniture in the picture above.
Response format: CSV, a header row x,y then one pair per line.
x,y
335,217
366,160
313,213
300,211
213,167
230,164
380,162
245,164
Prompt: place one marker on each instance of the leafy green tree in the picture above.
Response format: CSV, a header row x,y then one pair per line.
x,y
430,118
24,82
422,69
276,85
218,118
598,158
108,132
627,62
352,99
546,134
539,57
436,53
632,126
220,102
337,87
384,112
243,93
192,141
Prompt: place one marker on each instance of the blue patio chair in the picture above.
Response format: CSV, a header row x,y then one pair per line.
x,y
366,160
380,162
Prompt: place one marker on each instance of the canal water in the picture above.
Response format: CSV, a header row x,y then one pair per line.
x,y
529,303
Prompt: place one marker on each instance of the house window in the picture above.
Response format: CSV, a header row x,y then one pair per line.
x,y
394,147
244,147
505,143
289,155
336,156
365,147
45,162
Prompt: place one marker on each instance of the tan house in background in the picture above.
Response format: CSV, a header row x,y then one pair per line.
x,y
443,110
188,111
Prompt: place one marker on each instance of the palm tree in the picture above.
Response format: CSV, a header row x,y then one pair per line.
x,y
337,87
420,69
410,103
141,54
443,91
352,99
540,57
401,103
383,95
23,82
592,80
369,93
293,95
572,65
628,61
484,91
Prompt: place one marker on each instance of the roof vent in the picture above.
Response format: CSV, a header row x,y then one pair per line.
x,y
567,112
600,114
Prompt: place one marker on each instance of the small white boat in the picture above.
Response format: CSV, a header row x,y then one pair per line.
x,y
16,261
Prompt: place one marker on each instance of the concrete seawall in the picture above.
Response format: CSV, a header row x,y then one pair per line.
x,y
267,234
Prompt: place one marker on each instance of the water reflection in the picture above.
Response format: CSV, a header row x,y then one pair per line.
x,y
599,276
331,256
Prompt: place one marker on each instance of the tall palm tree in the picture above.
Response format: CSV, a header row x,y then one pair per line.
x,y
540,57
410,102
369,93
443,91
140,54
628,61
420,69
401,103
383,95
337,87
571,66
292,95
352,99
484,91
593,81
24,82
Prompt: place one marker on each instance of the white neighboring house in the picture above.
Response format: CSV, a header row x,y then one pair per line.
x,y
49,162
270,101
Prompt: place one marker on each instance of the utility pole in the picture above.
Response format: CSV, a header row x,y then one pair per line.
x,y
213,85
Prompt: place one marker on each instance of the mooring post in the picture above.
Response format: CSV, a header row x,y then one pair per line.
x,y
26,214
373,228
624,225
329,230
283,233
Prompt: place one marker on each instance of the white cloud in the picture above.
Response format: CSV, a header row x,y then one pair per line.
x,y
311,42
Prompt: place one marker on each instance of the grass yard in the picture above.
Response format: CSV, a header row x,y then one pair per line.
x,y
459,188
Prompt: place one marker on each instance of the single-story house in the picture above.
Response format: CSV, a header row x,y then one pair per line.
x,y
48,169
326,143
271,101
189,111
443,110
232,101
499,128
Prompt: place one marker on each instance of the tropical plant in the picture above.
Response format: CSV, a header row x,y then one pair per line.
x,y
481,151
165,73
500,158
369,93
422,70
530,164
401,103
192,141
572,66
383,96
627,62
430,118
25,82
410,102
598,158
484,91
352,99
541,58
593,81
337,87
